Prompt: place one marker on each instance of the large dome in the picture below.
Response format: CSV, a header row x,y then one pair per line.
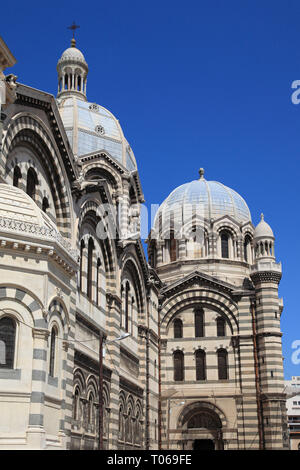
x,y
212,200
92,128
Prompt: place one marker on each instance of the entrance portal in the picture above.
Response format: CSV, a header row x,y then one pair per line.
x,y
203,444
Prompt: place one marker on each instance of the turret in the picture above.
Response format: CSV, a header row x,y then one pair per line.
x,y
264,241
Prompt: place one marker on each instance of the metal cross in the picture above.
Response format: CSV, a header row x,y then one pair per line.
x,y
73,27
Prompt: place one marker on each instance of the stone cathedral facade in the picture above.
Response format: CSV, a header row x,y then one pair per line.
x,y
191,337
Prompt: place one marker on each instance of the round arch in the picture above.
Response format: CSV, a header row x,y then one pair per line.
x,y
202,424
26,130
214,300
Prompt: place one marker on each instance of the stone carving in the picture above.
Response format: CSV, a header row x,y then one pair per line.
x,y
35,230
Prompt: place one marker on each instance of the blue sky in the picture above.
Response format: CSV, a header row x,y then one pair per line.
x,y
194,84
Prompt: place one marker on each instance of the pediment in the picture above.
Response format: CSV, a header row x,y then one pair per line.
x,y
200,279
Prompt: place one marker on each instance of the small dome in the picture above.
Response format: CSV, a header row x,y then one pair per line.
x,y
72,54
263,230
213,199
16,205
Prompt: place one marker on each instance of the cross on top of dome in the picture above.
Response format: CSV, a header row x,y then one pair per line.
x,y
72,70
73,27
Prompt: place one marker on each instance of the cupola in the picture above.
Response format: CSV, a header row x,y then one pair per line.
x,y
264,240
72,71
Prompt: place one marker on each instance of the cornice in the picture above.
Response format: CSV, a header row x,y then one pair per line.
x,y
29,238
6,57
96,155
265,277
138,185
130,387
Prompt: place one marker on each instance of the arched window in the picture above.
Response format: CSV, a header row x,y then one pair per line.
x,y
53,338
7,342
221,327
127,289
197,237
177,328
17,176
173,247
178,358
90,269
199,323
91,409
121,424
76,399
222,364
225,245
98,281
45,204
32,182
105,418
130,426
82,246
132,316
200,365
247,249
137,437
122,309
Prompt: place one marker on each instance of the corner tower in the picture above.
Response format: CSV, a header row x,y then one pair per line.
x,y
267,308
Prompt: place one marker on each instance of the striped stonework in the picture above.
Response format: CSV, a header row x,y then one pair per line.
x,y
28,130
191,338
267,311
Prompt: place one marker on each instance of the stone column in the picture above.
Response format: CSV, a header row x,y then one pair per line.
x,y
124,203
35,431
212,244
66,402
159,245
182,248
240,248
112,360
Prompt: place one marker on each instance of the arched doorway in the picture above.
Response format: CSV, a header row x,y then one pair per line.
x,y
201,427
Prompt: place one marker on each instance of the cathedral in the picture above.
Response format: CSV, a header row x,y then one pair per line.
x,y
102,347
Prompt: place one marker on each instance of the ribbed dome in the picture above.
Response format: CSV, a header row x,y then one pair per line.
x,y
72,54
212,200
92,128
263,230
15,204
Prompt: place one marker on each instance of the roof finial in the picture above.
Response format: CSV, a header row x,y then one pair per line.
x,y
201,173
73,27
262,216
